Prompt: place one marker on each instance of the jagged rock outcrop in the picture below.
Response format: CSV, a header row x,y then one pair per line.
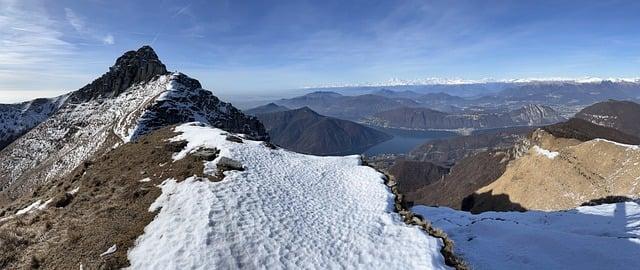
x,y
305,131
130,68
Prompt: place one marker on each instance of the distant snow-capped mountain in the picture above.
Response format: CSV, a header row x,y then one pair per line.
x,y
458,81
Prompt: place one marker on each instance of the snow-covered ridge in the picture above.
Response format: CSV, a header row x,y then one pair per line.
x,y
459,81
590,237
284,210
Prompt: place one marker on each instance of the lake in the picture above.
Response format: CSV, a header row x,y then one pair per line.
x,y
404,141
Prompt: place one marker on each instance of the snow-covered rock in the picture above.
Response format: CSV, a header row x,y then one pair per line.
x,y
17,119
283,210
590,237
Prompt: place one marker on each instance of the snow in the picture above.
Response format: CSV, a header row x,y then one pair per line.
x,y
285,210
544,152
145,180
627,146
111,250
37,205
460,81
74,133
74,191
591,237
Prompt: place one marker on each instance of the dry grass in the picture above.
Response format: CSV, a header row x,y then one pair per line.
x,y
111,207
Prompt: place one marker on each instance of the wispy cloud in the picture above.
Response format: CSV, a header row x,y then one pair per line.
x,y
79,24
29,35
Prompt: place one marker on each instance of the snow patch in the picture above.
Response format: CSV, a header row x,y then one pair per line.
x,y
37,205
74,191
544,152
590,237
285,210
628,146
145,180
111,250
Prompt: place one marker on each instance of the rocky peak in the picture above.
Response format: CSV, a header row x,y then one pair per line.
x,y
130,68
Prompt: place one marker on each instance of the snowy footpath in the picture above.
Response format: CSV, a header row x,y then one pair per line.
x,y
284,210
591,237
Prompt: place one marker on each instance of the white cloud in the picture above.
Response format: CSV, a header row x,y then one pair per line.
x,y
108,39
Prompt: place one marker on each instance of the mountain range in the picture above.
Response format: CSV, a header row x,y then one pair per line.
x,y
426,119
583,161
144,169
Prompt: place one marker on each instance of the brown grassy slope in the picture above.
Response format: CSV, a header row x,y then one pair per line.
x,y
110,207
581,172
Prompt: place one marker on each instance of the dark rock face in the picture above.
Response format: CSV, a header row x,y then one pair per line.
x,y
189,103
620,115
306,131
131,68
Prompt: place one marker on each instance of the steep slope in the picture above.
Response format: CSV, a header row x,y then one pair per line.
x,y
96,118
194,196
17,119
620,115
268,108
465,178
592,237
305,131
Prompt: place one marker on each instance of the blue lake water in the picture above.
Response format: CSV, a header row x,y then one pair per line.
x,y
404,141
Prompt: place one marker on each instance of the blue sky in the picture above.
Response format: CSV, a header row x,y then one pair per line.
x,y
260,48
